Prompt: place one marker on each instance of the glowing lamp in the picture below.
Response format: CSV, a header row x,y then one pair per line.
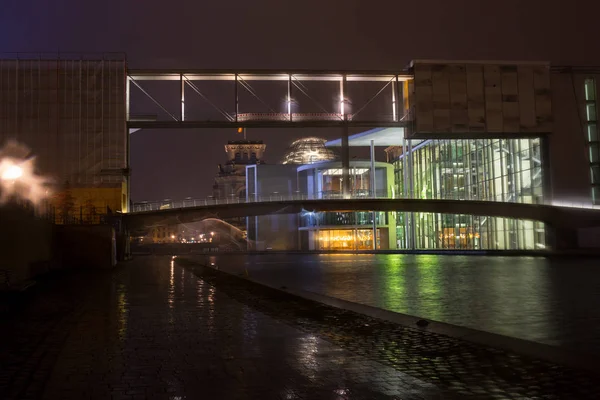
x,y
12,173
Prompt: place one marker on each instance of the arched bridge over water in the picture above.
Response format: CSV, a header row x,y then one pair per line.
x,y
558,217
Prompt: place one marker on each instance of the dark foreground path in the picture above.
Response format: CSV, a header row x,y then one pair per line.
x,y
153,330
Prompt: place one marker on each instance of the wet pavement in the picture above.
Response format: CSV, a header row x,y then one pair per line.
x,y
465,369
550,301
156,329
153,330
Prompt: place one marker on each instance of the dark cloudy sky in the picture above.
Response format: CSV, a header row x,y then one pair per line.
x,y
279,34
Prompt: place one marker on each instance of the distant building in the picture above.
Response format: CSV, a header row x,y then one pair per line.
x,y
270,182
230,181
322,230
353,230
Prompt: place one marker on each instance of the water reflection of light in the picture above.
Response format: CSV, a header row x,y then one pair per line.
x,y
199,293
171,296
428,269
307,355
211,308
394,281
290,394
182,286
249,327
122,311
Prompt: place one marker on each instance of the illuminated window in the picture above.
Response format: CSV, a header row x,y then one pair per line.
x,y
347,239
590,89
594,154
590,111
592,132
595,172
591,118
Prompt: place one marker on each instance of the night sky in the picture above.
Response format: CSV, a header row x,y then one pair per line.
x,y
350,34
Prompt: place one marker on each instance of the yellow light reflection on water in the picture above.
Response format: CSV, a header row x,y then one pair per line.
x,y
171,295
122,311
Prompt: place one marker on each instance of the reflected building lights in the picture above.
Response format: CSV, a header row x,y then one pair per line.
x,y
171,295
199,293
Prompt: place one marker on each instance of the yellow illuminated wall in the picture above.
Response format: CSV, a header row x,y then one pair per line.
x,y
88,203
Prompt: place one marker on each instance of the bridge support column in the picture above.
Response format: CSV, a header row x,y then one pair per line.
x,y
373,193
373,185
546,177
409,193
345,163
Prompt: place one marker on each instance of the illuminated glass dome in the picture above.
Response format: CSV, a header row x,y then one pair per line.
x,y
308,150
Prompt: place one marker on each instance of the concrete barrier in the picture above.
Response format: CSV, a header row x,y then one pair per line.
x,y
31,246
85,246
26,243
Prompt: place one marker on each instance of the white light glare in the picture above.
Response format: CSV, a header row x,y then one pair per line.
x,y
17,175
12,173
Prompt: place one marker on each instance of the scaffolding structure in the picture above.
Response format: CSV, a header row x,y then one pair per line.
x,y
71,112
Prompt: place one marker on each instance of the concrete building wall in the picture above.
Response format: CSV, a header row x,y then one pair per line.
x,y
481,97
71,113
568,150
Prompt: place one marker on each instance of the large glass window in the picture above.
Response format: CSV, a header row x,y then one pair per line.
x,y
346,239
471,232
483,169
506,170
342,218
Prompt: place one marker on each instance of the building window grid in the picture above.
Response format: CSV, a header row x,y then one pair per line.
x,y
591,120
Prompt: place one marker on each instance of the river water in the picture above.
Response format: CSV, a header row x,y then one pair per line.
x,y
552,301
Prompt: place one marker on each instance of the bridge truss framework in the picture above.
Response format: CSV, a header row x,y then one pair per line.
x,y
393,84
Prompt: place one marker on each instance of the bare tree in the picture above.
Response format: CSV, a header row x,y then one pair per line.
x,y
65,203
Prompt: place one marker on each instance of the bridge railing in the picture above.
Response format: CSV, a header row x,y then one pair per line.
x,y
277,197
273,197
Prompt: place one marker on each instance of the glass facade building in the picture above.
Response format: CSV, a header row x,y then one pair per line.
x,y
346,230
503,170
